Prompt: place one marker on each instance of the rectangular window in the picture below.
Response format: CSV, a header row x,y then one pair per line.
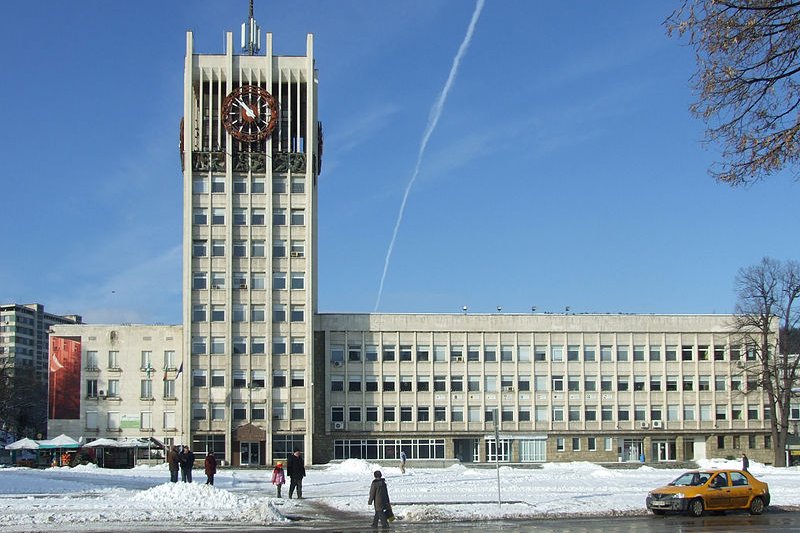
x,y
278,345
199,280
423,352
606,353
258,248
457,414
199,248
573,352
298,217
258,379
279,248
388,414
298,248
217,378
169,388
258,216
239,248
218,215
257,313
298,280
217,345
200,216
622,353
298,184
506,353
298,345
655,353
218,248
638,353
92,361
239,216
298,313
279,313
239,379
279,216
490,354
217,313
556,353
523,353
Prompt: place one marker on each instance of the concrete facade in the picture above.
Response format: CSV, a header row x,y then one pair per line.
x,y
130,383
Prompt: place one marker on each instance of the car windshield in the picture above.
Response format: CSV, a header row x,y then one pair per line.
x,y
691,479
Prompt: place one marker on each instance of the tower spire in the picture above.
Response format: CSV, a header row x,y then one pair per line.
x,y
251,34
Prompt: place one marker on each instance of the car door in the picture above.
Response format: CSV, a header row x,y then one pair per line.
x,y
741,490
718,495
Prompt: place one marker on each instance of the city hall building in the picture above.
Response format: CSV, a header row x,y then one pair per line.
x,y
255,370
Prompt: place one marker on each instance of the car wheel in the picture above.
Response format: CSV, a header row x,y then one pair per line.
x,y
659,512
696,507
756,506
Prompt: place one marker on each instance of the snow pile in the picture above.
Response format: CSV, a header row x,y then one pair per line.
x,y
68,499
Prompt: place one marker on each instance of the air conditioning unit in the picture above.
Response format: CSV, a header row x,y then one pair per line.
x,y
458,359
102,394
297,254
338,425
336,363
508,389
658,424
644,425
243,285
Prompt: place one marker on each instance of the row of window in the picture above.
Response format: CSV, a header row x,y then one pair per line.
x,y
216,345
116,421
200,185
258,216
258,378
200,281
254,248
147,362
200,313
544,413
112,389
280,411
510,383
556,352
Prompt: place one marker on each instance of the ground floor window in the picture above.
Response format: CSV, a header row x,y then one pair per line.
x,y
663,450
204,443
388,448
533,450
503,454
284,445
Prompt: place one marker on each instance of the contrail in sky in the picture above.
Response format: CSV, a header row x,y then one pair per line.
x,y
433,120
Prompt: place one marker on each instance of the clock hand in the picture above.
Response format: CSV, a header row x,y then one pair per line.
x,y
247,109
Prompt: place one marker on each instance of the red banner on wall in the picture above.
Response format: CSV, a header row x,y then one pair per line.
x,y
64,398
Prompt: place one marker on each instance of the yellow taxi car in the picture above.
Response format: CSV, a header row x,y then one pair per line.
x,y
713,490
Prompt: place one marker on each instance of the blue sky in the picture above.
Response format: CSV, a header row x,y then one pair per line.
x,y
565,169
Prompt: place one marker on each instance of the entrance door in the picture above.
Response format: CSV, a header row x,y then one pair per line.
x,y
699,449
249,453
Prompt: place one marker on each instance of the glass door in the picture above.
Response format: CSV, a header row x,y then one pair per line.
x,y
249,454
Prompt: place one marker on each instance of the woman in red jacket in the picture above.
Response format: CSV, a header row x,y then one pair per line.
x,y
211,468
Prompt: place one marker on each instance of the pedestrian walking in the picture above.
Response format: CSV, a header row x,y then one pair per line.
x,y
278,477
402,462
745,462
296,471
379,498
211,468
172,461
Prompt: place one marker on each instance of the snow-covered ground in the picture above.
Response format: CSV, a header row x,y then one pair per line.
x,y
86,496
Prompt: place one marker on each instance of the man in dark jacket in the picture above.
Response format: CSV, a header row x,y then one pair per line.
x,y
379,497
186,460
296,471
172,461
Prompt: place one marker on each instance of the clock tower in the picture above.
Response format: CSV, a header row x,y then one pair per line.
x,y
251,150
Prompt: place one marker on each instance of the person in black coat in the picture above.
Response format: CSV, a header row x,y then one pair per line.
x,y
186,460
296,471
379,497
745,462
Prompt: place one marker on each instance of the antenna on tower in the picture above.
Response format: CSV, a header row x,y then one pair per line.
x,y
251,34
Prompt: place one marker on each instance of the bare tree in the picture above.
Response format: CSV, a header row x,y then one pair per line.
x,y
748,69
767,318
23,407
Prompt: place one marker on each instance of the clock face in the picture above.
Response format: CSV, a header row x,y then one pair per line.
x,y
249,113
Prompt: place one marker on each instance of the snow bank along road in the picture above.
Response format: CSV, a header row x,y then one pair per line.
x,y
86,497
